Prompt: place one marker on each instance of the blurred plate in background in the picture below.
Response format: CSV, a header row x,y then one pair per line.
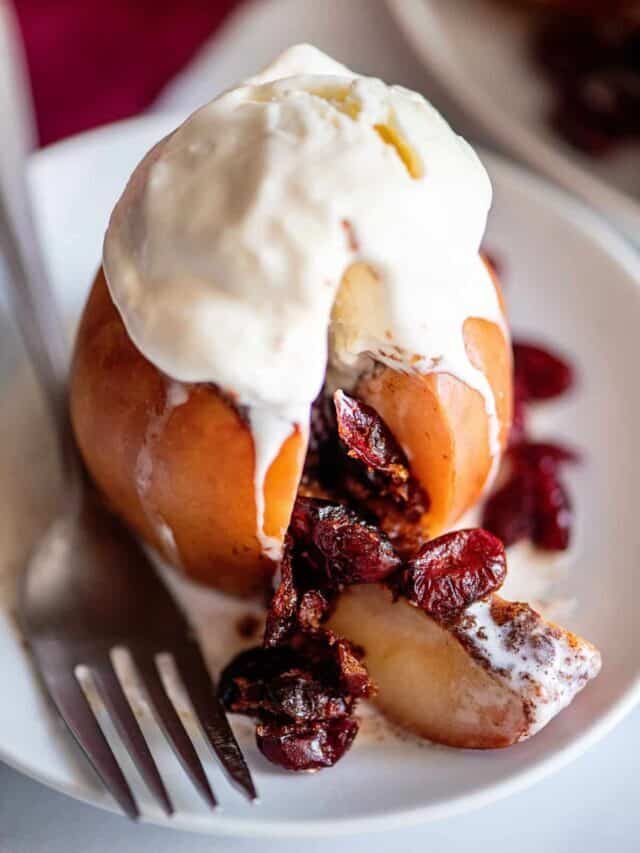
x,y
478,51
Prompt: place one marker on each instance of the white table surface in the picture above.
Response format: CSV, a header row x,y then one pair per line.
x,y
591,806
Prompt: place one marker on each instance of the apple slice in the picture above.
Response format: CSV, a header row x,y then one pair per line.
x,y
494,677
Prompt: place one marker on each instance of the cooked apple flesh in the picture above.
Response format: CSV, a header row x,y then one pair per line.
x,y
493,678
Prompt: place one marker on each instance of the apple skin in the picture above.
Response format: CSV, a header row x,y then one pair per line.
x,y
200,455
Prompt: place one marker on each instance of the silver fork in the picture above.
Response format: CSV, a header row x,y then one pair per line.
x,y
88,586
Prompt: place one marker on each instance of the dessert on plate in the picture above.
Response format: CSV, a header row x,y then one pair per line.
x,y
294,373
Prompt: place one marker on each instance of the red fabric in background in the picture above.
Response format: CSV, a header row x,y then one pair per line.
x,y
96,61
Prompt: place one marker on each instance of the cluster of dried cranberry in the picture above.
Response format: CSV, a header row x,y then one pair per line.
x,y
592,59
303,683
302,693
354,459
533,503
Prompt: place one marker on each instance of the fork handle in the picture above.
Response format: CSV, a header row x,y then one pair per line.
x,y
30,291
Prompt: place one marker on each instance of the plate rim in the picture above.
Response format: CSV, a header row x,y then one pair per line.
x,y
623,255
422,28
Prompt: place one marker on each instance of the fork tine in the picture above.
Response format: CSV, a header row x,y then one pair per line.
x,y
117,704
76,712
213,719
172,727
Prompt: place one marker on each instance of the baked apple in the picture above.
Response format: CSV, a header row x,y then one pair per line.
x,y
294,356
251,254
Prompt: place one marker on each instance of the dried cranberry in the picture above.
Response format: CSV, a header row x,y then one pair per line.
x,y
533,503
297,695
539,373
397,510
519,421
312,609
256,667
353,459
553,518
306,683
451,572
376,476
303,695
353,676
283,609
306,747
508,513
334,660
350,550
543,454
379,467
368,439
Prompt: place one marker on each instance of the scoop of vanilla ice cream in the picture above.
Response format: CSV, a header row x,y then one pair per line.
x,y
226,253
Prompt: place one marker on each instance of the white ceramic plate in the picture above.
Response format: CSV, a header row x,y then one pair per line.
x,y
571,281
477,48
